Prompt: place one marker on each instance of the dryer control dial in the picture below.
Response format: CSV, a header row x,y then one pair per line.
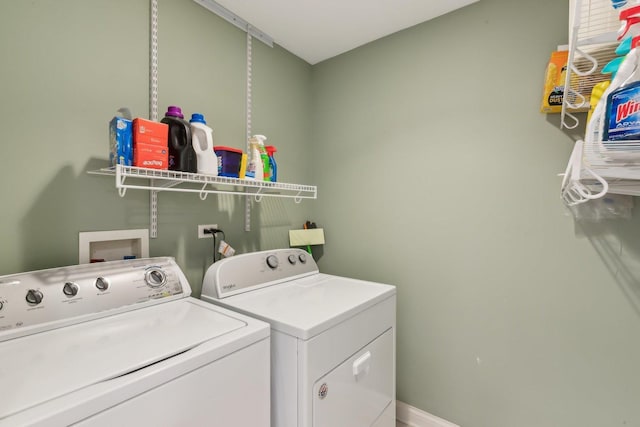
x,y
102,284
70,289
272,262
155,278
302,258
34,297
292,259
1,305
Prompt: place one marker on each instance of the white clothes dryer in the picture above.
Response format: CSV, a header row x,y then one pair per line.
x,y
332,338
123,343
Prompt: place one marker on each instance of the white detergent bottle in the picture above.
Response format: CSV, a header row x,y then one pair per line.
x,y
202,140
255,167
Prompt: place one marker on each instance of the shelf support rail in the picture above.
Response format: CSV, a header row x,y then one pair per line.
x,y
247,202
153,105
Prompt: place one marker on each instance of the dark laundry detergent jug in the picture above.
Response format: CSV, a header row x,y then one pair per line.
x,y
182,156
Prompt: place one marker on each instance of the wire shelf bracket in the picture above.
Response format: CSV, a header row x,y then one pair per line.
x,y
156,181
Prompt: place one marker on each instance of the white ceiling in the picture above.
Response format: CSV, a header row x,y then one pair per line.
x,y
315,30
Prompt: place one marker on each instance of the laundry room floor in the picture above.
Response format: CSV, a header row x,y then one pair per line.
x,y
399,424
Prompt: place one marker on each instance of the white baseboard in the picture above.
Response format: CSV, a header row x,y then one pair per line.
x,y
415,417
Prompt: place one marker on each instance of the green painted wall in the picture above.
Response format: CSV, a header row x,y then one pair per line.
x,y
438,174
69,65
435,172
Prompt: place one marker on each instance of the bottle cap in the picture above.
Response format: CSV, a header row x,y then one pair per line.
x,y
197,118
174,111
270,149
618,3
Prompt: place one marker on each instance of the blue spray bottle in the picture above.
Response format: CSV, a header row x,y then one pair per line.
x,y
622,111
273,175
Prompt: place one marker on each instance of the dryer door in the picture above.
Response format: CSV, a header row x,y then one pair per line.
x,y
358,391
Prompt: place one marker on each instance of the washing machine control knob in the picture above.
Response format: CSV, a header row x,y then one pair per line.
x,y
70,289
102,283
155,278
292,259
272,262
34,297
1,305
302,258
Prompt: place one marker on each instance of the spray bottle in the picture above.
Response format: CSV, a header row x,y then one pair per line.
x,y
620,69
264,156
255,167
273,168
596,126
622,113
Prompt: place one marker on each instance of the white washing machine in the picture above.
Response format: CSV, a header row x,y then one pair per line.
x,y
123,343
332,338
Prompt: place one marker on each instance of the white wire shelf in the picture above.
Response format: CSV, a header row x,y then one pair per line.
x,y
128,177
592,42
595,167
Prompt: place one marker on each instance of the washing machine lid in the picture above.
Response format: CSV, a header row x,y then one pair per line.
x,y
308,306
46,365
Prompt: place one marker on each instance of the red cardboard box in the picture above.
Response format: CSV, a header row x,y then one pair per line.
x,y
149,132
150,156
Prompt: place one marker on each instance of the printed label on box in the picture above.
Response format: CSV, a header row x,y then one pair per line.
x,y
120,142
150,156
150,132
553,90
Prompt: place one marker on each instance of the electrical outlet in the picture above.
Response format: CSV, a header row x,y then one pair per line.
x,y
202,227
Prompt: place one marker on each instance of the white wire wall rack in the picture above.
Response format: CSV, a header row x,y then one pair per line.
x,y
156,180
592,42
595,167
129,177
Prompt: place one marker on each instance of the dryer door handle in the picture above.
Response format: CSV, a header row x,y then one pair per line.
x,y
361,365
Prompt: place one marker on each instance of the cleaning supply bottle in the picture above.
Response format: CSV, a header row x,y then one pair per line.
x,y
596,131
622,114
255,167
182,157
273,168
264,157
596,93
202,141
620,68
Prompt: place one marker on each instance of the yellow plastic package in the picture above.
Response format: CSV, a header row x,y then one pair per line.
x,y
553,90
